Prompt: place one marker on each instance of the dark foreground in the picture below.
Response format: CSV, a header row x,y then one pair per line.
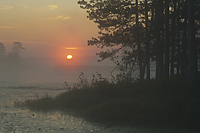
x,y
166,103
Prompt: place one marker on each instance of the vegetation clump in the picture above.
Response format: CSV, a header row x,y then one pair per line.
x,y
167,102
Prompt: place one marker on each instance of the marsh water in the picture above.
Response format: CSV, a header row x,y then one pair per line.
x,y
20,120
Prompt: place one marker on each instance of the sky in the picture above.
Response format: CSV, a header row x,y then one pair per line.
x,y
47,29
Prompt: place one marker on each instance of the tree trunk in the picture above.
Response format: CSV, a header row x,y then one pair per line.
x,y
191,44
159,46
184,50
139,44
147,42
167,36
178,43
173,40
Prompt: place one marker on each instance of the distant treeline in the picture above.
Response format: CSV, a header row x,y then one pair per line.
x,y
12,57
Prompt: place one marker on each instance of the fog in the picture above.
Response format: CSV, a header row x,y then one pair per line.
x,y
42,71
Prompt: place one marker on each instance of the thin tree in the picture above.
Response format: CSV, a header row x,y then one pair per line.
x,y
191,44
167,36
147,40
159,45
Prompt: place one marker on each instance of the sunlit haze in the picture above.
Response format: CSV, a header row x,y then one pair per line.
x,y
45,27
49,30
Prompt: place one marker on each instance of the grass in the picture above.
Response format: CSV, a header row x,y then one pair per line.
x,y
155,103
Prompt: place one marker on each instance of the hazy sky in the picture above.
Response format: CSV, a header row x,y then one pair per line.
x,y
47,28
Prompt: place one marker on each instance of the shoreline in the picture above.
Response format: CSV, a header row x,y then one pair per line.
x,y
148,103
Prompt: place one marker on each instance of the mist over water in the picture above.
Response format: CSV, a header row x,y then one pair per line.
x,y
41,72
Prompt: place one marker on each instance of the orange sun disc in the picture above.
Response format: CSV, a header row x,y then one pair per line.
x,y
69,56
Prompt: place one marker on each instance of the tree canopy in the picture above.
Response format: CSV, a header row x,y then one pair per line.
x,y
14,56
140,33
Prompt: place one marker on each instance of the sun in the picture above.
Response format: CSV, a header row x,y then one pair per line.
x,y
69,56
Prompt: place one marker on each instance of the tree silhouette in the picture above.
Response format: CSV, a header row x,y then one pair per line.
x,y
17,47
146,32
118,32
14,56
2,53
192,66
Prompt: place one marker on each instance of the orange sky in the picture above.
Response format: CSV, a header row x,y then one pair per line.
x,y
47,28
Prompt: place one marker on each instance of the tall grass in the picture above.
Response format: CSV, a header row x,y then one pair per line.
x,y
168,102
